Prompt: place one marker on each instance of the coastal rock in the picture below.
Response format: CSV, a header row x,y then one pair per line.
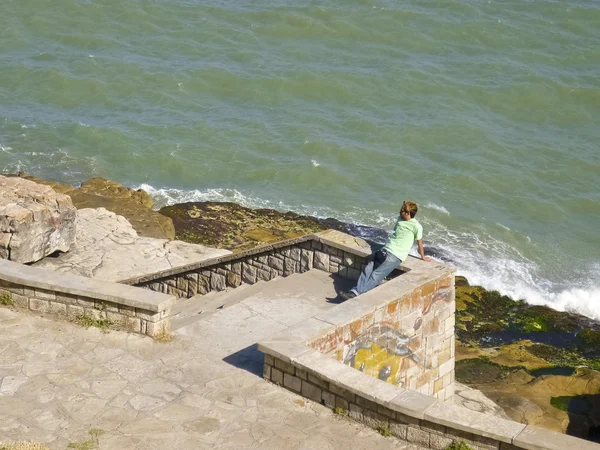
x,y
476,401
108,248
537,363
35,221
235,227
134,205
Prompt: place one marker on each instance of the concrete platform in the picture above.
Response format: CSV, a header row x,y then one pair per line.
x,y
284,301
108,248
204,390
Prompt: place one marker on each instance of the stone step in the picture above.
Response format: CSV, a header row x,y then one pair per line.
x,y
190,310
199,307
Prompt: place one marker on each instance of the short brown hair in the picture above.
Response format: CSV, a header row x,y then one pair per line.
x,y
410,207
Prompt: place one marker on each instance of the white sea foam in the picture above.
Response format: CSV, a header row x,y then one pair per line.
x,y
314,163
437,208
496,265
483,259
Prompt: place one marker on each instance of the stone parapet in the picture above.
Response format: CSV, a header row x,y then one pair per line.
x,y
74,298
406,324
411,416
258,264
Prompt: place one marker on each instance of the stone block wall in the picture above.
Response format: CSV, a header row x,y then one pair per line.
x,y
75,308
408,342
260,264
374,414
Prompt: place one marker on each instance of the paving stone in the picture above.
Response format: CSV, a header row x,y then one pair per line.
x,y
160,388
10,385
185,394
108,388
146,403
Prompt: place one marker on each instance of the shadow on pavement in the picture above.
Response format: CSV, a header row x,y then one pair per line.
x,y
249,359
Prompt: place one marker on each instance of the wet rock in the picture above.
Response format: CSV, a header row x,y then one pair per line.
x,y
35,221
235,227
535,362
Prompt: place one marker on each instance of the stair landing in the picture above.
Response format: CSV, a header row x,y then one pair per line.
x,y
242,316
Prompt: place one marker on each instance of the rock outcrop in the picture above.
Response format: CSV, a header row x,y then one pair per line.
x,y
236,228
35,221
134,205
540,365
108,248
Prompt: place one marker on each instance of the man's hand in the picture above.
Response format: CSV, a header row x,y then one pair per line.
x,y
427,258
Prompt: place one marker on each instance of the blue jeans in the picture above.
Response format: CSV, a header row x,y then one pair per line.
x,y
374,273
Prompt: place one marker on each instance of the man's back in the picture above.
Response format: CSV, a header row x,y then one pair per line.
x,y
406,232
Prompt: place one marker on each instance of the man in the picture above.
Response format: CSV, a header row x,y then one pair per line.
x,y
384,261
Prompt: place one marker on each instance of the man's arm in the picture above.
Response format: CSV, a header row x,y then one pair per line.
x,y
422,252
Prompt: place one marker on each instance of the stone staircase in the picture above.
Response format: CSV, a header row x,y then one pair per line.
x,y
190,310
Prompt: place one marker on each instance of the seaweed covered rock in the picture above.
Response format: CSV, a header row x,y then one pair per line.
x,y
487,317
540,365
235,227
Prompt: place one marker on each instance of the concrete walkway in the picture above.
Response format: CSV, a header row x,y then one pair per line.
x,y
204,390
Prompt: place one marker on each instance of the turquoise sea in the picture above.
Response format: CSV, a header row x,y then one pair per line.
x,y
487,113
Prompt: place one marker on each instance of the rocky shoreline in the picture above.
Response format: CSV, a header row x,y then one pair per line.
x,y
540,365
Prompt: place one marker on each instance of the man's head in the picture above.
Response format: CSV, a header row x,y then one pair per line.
x,y
409,209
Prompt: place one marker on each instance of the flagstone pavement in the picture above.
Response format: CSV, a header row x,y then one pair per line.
x,y
203,390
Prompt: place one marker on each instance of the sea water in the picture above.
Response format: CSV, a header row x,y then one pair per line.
x,y
487,113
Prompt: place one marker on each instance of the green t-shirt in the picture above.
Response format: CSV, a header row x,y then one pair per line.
x,y
402,239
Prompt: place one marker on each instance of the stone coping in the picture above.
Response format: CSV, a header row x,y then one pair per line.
x,y
328,237
37,278
293,347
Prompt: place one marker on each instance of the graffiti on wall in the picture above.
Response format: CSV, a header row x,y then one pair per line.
x,y
381,352
444,294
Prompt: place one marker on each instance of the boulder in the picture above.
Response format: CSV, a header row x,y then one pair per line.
x,y
133,204
108,248
35,220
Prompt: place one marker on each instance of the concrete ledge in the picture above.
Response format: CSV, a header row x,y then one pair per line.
x,y
37,278
218,260
307,359
74,298
411,416
342,241
460,418
536,438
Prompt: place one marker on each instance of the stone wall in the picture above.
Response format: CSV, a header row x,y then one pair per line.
x,y
411,416
81,299
251,266
376,415
409,342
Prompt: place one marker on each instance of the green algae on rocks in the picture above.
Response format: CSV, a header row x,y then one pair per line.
x,y
235,227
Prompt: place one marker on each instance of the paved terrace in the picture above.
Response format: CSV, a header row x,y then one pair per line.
x,y
203,390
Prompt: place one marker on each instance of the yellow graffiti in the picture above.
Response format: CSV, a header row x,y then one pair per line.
x,y
379,363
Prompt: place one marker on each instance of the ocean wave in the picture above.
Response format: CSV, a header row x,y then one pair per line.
x,y
484,260
169,196
489,262
437,208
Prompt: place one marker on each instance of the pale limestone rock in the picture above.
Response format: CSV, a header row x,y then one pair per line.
x,y
35,221
476,401
10,385
108,248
